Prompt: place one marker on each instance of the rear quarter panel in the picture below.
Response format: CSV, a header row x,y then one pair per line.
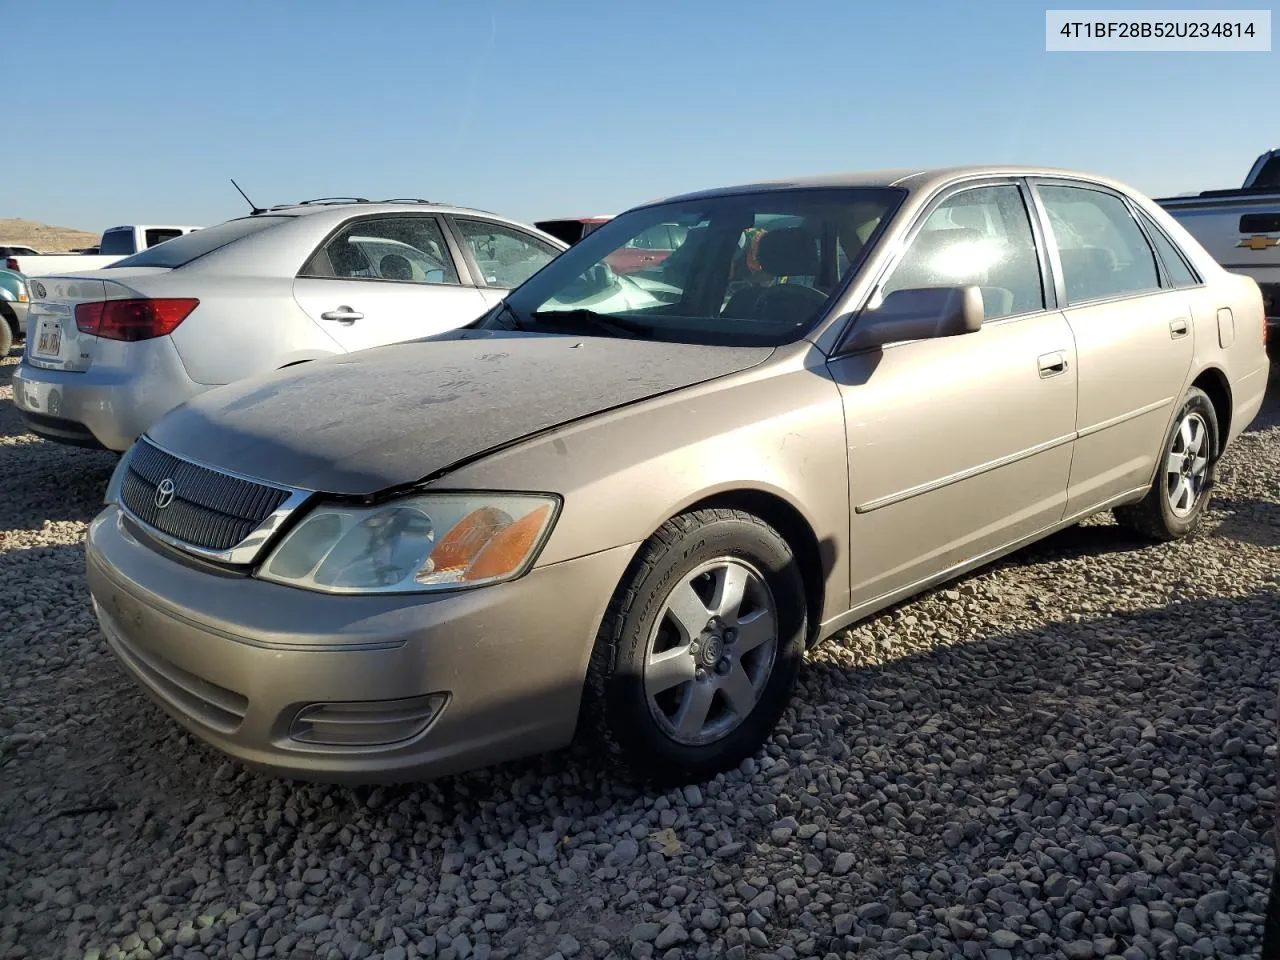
x,y
243,325
1239,354
1230,325
777,428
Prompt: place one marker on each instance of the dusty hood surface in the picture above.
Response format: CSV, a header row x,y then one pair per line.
x,y
362,422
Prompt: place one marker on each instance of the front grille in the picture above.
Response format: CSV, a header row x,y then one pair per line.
x,y
209,509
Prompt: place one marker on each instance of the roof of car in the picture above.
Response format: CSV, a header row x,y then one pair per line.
x,y
339,209
911,178
309,207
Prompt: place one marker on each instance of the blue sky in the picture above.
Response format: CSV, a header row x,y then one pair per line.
x,y
139,111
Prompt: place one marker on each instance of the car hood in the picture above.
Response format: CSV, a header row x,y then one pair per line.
x,y
388,416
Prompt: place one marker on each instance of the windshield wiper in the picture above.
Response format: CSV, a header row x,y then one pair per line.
x,y
582,317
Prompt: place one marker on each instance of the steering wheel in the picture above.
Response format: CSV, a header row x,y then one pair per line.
x,y
788,303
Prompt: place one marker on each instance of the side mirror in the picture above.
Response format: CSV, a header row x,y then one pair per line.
x,y
919,314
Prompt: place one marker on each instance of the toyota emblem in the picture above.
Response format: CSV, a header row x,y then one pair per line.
x,y
164,493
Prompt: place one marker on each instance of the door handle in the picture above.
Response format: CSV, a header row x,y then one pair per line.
x,y
1052,364
343,315
1178,328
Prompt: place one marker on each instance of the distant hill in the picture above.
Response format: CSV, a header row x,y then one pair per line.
x,y
45,238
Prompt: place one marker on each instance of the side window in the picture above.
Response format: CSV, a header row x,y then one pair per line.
x,y
403,249
507,257
980,237
1175,264
1103,252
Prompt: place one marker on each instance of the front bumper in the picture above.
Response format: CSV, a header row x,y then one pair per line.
x,y
237,661
104,406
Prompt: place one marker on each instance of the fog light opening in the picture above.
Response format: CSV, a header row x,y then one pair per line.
x,y
369,723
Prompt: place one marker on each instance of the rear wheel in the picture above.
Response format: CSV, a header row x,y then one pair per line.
x,y
1179,495
698,654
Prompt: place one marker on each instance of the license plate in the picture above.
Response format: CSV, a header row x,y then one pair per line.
x,y
49,343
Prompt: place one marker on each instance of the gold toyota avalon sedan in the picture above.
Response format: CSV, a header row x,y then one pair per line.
x,y
624,502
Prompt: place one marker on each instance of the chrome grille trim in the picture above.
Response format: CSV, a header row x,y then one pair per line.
x,y
215,514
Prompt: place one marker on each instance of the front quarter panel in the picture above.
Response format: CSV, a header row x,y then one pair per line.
x,y
777,428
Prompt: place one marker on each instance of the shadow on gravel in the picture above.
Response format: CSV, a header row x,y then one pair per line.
x,y
1269,415
1249,521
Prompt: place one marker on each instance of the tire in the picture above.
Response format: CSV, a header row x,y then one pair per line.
x,y
6,337
1171,511
641,724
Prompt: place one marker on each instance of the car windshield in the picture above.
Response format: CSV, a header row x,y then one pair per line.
x,y
743,269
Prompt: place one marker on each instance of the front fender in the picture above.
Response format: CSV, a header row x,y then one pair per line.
x,y
777,429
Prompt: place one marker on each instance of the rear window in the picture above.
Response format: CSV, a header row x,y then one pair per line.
x,y
1269,176
182,250
160,235
117,243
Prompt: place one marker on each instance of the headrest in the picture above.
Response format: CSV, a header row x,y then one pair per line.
x,y
789,252
395,267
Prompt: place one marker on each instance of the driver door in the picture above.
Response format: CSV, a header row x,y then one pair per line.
x,y
960,445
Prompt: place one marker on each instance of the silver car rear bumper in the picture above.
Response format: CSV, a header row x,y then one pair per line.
x,y
103,406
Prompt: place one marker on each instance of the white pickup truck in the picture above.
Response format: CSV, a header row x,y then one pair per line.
x,y
1241,230
116,244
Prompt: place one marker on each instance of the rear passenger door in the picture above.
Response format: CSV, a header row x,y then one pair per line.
x,y
385,279
501,256
1134,338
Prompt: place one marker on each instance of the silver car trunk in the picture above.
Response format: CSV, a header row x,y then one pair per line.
x,y
54,342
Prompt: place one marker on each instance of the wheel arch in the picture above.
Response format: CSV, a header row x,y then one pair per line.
x,y
1214,383
794,527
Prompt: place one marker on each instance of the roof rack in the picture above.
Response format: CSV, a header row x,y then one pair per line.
x,y
304,203
326,201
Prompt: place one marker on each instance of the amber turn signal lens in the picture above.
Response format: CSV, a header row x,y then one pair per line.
x,y
468,537
508,548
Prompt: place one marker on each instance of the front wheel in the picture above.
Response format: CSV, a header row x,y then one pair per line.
x,y
698,654
6,337
1179,495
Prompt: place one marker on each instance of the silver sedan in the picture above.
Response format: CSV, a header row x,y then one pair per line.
x,y
112,350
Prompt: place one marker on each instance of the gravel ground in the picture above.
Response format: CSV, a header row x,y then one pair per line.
x,y
1070,754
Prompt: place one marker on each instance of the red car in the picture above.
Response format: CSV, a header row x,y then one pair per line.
x,y
643,252
648,249
571,229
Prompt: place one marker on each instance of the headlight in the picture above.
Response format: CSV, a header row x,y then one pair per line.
x,y
413,544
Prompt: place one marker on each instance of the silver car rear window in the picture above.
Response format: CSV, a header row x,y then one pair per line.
x,y
182,250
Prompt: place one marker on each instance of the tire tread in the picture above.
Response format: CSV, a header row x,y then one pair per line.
x,y
604,654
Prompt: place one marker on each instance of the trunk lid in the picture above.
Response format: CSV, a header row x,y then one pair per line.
x,y
54,342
